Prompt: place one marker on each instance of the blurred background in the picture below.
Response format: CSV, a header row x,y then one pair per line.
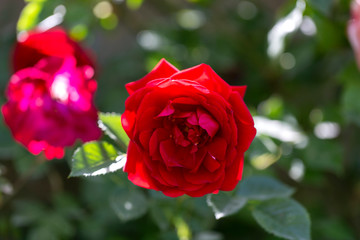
x,y
303,88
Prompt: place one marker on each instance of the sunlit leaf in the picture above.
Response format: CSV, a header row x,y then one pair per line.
x,y
129,205
110,123
284,218
96,158
263,187
224,205
29,15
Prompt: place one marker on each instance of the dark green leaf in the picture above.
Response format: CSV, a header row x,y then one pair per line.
x,y
129,205
110,123
263,187
284,218
224,205
159,217
96,158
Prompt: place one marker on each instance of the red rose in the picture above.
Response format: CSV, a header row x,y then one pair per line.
x,y
35,45
353,29
50,106
189,130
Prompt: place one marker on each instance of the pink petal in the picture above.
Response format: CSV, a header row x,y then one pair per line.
x,y
36,147
167,111
207,122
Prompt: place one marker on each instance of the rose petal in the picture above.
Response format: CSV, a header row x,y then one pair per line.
x,y
162,70
170,154
167,111
207,122
144,138
134,166
205,75
217,148
233,173
240,89
245,122
207,188
158,135
210,163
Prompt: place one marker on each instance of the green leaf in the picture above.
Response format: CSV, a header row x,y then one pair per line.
x,y
350,103
224,205
283,217
96,158
158,215
323,6
29,15
110,123
129,205
262,188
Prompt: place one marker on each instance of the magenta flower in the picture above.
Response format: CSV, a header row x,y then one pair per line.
x,y
50,106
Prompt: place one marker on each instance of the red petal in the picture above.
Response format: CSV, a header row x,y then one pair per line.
x,y
169,153
240,89
217,148
162,70
233,174
158,135
244,121
205,75
137,172
210,163
167,111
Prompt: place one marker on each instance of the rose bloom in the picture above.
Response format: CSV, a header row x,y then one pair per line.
x,y
188,129
50,106
353,29
35,45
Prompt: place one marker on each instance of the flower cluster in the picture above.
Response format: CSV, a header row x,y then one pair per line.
x,y
51,94
188,129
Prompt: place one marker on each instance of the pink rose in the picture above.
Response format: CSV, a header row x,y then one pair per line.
x,y
188,129
50,106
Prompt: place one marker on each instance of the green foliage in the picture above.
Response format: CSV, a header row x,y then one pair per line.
x,y
110,123
284,218
29,15
262,188
224,205
129,205
95,158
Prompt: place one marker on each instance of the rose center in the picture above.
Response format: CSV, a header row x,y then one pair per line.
x,y
189,126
